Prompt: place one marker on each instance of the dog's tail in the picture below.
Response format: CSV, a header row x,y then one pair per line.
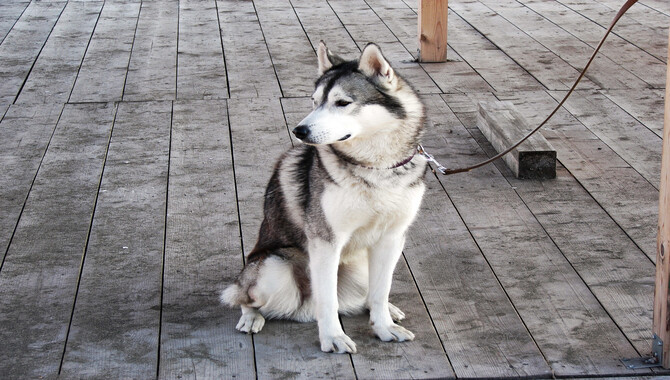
x,y
233,296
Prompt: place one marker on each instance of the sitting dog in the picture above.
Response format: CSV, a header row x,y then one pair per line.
x,y
338,206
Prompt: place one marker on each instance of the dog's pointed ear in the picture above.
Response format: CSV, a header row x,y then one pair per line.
x,y
326,58
373,64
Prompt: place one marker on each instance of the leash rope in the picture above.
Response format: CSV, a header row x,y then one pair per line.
x,y
445,171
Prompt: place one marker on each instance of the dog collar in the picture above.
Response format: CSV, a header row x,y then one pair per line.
x,y
403,162
352,161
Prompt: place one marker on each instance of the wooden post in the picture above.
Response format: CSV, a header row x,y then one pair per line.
x,y
661,300
433,30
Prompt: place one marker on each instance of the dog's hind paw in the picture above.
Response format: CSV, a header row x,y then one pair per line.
x,y
251,321
396,314
339,344
393,332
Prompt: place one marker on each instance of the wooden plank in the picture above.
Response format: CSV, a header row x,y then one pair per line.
x,y
455,75
322,24
504,126
248,64
659,5
365,26
478,325
627,56
625,195
103,72
603,71
283,348
10,12
547,67
202,243
292,55
38,280
422,358
25,133
152,71
641,25
631,140
201,70
22,45
487,59
432,30
646,106
610,263
557,307
614,268
661,303
53,75
116,318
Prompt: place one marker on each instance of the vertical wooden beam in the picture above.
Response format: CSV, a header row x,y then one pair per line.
x,y
433,30
661,300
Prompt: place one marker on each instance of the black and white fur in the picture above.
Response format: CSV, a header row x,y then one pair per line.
x,y
337,207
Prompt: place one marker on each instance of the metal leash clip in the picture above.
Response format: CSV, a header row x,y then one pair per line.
x,y
429,157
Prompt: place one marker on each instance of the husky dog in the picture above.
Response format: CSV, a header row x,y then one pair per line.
x,y
337,207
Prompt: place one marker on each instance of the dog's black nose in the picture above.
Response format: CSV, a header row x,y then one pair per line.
x,y
301,132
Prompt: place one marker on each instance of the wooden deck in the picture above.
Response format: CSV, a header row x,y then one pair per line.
x,y
136,140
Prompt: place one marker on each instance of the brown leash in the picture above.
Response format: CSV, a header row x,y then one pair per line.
x,y
445,171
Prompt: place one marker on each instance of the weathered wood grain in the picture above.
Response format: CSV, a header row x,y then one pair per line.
x,y
116,319
25,133
10,12
53,75
629,57
284,348
39,276
631,140
603,71
321,23
102,74
646,106
557,307
548,68
22,45
422,358
152,71
249,67
478,325
365,27
292,55
658,5
600,251
455,75
641,25
626,196
615,270
201,70
202,251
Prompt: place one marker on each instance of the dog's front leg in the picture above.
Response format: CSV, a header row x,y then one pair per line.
x,y
324,260
383,258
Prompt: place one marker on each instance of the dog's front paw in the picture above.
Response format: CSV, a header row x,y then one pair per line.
x,y
396,314
251,322
339,344
392,332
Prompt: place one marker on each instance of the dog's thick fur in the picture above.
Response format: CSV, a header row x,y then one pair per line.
x,y
337,207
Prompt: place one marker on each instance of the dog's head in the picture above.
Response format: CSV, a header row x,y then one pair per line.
x,y
352,99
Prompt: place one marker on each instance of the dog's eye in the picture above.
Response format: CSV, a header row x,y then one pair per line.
x,y
342,103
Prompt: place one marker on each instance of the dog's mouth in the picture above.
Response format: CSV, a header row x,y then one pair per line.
x,y
344,138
